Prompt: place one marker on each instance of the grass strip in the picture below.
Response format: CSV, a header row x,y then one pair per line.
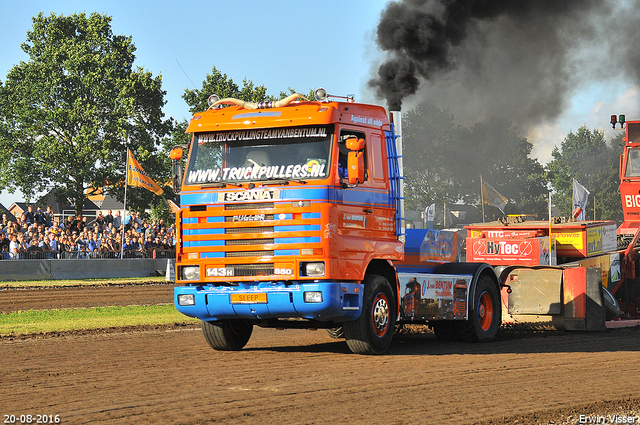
x,y
77,282
36,321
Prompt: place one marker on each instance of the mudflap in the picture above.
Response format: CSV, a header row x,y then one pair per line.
x,y
584,307
566,298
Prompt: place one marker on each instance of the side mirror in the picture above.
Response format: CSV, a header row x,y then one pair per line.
x,y
354,144
355,160
355,167
176,169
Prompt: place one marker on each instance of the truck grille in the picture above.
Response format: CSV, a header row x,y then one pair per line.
x,y
254,206
253,269
216,234
236,230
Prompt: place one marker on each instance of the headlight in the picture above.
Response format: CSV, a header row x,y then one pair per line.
x,y
313,297
190,272
186,299
313,269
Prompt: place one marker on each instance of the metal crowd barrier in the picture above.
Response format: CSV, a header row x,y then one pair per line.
x,y
86,255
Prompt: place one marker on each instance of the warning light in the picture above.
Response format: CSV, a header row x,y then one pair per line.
x,y
619,119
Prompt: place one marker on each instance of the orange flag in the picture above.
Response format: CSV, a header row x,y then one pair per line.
x,y
136,176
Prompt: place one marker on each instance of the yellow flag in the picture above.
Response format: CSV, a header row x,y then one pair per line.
x,y
136,176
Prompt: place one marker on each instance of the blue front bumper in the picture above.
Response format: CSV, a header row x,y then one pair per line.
x,y
340,301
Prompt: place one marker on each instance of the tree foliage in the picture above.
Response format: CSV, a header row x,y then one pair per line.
x,y
218,83
444,161
69,113
586,156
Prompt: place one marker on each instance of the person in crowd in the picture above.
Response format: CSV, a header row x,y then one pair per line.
x,y
14,247
85,223
96,229
108,219
137,228
39,217
107,249
117,220
48,216
54,244
19,224
93,243
100,219
4,241
129,220
109,229
149,246
33,248
127,248
64,246
136,248
76,224
28,217
45,247
5,253
116,243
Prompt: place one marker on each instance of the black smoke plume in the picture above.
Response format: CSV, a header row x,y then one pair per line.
x,y
519,57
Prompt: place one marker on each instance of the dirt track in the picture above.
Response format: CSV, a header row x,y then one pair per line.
x,y
39,298
296,376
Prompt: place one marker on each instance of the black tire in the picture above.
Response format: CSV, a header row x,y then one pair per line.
x,y
485,313
611,305
227,335
444,330
373,331
336,333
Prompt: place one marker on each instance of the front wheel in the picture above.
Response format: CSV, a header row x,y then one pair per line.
x,y
485,313
373,331
227,335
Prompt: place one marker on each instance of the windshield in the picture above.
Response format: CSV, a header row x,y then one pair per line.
x,y
264,154
633,163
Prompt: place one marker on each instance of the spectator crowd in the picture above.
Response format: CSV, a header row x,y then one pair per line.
x,y
38,234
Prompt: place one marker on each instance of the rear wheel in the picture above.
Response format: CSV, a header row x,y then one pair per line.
x,y
611,305
373,331
484,314
227,335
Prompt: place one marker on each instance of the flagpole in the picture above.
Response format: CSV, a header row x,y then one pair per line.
x,y
549,216
124,217
482,197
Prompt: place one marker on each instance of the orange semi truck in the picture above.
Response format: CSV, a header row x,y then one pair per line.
x,y
291,216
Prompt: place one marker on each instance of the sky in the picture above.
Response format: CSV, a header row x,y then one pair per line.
x,y
279,44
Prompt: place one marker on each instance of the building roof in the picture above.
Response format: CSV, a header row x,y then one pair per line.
x,y
5,210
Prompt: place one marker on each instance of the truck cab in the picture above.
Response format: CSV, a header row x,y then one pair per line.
x,y
291,217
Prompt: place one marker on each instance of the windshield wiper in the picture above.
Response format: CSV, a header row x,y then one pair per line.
x,y
283,181
220,184
213,184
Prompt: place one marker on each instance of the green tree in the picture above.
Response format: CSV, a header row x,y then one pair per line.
x,y
219,84
70,112
496,151
585,156
431,142
444,161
